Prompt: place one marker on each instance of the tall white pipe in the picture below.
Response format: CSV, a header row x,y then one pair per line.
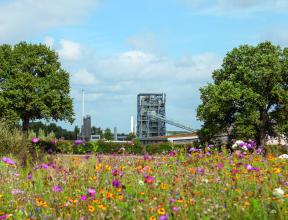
x,y
82,106
132,124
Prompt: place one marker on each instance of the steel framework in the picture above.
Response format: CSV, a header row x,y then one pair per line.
x,y
147,104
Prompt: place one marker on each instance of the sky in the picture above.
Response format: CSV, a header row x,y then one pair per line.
x,y
116,49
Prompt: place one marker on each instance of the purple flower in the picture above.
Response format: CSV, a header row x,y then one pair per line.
x,y
172,200
116,183
259,150
8,161
35,140
163,217
115,172
91,192
30,176
248,167
176,209
200,170
78,142
3,216
57,189
220,165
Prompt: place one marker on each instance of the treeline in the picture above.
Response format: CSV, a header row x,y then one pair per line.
x,y
60,133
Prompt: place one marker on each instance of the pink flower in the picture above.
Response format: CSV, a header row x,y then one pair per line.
x,y
149,179
171,154
91,192
57,189
35,140
16,191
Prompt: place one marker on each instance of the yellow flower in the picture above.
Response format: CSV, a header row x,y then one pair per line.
x,y
161,211
163,186
91,208
152,218
120,197
277,170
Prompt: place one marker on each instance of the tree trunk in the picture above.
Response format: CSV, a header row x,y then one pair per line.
x,y
25,124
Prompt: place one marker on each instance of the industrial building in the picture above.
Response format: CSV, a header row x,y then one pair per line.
x,y
86,128
150,105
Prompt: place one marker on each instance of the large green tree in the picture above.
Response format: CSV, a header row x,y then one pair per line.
x,y
249,95
33,85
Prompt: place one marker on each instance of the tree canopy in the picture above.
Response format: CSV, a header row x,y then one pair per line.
x,y
33,85
249,95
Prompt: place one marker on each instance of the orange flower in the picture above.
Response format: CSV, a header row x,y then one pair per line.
x,y
103,207
91,208
152,218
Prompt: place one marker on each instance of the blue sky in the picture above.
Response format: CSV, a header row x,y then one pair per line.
x,y
117,49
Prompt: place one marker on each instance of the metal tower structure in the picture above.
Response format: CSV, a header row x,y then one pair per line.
x,y
170,121
147,104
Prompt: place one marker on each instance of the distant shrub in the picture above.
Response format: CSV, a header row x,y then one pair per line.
x,y
159,148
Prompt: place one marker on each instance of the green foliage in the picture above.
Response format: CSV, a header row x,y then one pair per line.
x,y
130,136
159,148
64,147
33,85
108,134
249,96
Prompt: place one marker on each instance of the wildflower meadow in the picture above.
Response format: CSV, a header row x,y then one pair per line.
x,y
201,184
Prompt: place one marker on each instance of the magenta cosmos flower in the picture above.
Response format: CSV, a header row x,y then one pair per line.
x,y
35,140
57,189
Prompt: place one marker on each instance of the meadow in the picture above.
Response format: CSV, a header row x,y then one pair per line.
x,y
200,185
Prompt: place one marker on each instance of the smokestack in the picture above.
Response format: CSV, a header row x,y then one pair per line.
x,y
132,124
115,134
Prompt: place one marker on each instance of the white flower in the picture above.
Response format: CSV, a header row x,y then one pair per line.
x,y
141,183
278,192
234,146
244,148
239,142
283,156
205,180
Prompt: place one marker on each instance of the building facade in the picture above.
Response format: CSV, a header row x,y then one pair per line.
x,y
86,128
147,105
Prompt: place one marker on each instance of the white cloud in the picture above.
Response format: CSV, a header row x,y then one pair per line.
x,y
139,65
70,50
21,19
83,78
237,7
145,41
